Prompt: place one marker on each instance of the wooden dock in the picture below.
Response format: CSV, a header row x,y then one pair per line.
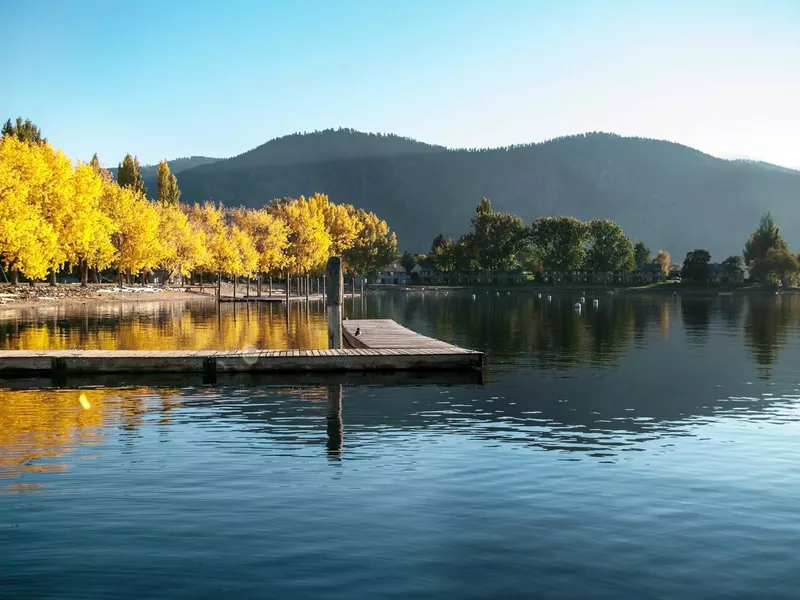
x,y
382,345
385,334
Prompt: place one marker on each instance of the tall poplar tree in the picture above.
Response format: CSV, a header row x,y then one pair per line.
x,y
129,175
168,191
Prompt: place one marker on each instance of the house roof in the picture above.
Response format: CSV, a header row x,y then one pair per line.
x,y
394,268
650,267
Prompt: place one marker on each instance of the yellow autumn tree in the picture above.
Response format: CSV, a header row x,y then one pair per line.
x,y
84,230
210,219
135,229
269,235
309,240
340,222
183,244
28,241
246,257
374,248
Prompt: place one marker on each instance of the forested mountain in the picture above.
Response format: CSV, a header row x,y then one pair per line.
x,y
666,194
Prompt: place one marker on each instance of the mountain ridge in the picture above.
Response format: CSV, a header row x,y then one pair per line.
x,y
665,193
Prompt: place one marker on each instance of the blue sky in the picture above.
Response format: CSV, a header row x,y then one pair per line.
x,y
169,79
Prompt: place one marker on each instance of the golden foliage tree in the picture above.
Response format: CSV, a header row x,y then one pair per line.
x,y
183,244
309,240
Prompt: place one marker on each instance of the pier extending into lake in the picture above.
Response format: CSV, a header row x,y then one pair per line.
x,y
360,345
393,351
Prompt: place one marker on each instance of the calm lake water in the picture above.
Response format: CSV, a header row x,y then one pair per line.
x,y
646,449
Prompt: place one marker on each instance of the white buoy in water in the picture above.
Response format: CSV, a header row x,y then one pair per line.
x,y
595,302
497,294
583,300
578,306
549,298
539,296
508,293
473,296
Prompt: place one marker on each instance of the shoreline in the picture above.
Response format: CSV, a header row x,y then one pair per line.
x,y
652,289
43,295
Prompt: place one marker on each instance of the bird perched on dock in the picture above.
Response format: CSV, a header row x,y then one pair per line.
x,y
358,331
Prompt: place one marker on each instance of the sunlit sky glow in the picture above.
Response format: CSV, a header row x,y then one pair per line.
x,y
203,77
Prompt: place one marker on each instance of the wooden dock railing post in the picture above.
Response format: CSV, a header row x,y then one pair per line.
x,y
335,297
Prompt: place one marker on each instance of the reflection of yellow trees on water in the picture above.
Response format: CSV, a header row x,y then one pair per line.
x,y
166,326
38,427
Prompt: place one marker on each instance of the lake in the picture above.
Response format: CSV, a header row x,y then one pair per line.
x,y
648,448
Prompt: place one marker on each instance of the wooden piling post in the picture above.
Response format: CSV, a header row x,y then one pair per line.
x,y
335,299
288,288
270,286
307,285
324,286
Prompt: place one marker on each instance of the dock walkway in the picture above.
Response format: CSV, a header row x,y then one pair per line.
x,y
382,345
386,334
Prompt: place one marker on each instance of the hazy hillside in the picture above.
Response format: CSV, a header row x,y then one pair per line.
x,y
668,195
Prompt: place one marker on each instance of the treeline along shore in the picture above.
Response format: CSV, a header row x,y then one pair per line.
x,y
58,218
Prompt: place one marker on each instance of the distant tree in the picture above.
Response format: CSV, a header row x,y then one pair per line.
x,y
129,175
420,258
663,258
529,257
407,260
168,191
641,253
778,263
733,265
695,266
24,131
611,250
496,238
561,242
105,174
767,235
439,241
444,256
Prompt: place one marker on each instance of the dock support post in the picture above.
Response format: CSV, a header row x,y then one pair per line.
x,y
324,286
335,295
288,288
270,286
307,285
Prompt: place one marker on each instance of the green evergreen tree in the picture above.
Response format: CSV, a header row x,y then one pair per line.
x,y
25,131
129,174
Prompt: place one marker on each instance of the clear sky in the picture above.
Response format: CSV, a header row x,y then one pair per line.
x,y
164,79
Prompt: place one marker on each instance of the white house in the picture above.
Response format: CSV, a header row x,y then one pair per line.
x,y
394,274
